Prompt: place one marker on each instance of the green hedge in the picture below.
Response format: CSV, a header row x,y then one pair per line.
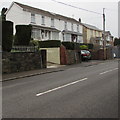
x,y
7,35
71,45
49,43
23,34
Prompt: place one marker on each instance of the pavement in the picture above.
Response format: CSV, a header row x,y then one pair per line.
x,y
49,69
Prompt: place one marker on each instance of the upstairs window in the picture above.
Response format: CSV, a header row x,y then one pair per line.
x,y
43,20
91,33
52,22
77,28
71,26
32,18
65,25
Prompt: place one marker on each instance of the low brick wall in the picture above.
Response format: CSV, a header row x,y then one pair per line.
x,y
68,57
18,62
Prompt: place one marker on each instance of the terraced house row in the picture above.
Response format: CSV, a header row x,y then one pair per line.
x,y
51,26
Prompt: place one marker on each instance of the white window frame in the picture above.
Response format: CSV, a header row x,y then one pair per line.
x,y
78,28
32,18
65,25
43,20
52,22
72,27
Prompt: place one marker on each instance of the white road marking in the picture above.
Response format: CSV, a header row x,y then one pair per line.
x,y
108,71
57,88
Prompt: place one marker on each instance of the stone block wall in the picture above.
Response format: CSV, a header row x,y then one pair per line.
x,y
18,62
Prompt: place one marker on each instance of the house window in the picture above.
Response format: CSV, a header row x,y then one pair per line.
x,y
65,25
95,33
77,28
43,20
36,34
91,33
42,34
52,22
72,26
99,34
32,18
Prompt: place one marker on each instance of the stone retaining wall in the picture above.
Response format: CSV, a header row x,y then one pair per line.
x,y
18,62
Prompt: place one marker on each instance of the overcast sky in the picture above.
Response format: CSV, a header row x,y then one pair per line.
x,y
111,10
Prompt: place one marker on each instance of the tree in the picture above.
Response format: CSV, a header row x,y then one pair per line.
x,y
7,35
116,41
3,15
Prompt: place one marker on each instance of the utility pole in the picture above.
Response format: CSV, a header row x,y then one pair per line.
x,y
104,38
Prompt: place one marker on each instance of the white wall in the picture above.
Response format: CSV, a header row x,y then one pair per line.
x,y
15,14
18,16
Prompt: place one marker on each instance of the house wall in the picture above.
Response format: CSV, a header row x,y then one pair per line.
x,y
15,15
18,16
88,33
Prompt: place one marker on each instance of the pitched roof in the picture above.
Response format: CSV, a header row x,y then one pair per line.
x,y
91,27
36,10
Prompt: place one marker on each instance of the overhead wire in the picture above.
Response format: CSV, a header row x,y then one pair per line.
x,y
77,7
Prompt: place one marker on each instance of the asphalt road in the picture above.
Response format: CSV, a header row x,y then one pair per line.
x,y
80,92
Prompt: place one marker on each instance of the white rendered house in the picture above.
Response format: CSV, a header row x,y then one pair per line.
x,y
45,25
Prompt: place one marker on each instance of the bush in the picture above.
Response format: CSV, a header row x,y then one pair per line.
x,y
116,41
71,45
49,43
89,45
7,35
34,43
23,34
83,47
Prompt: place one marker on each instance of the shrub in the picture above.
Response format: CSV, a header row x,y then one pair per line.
x,y
34,43
83,47
71,45
7,35
89,45
49,43
23,34
116,41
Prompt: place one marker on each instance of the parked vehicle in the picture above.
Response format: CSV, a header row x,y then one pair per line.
x,y
85,55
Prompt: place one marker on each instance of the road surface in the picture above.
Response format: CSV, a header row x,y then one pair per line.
x,y
77,92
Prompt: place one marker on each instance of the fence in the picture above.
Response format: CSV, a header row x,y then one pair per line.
x,y
24,49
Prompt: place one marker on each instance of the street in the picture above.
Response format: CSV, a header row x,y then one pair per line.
x,y
77,92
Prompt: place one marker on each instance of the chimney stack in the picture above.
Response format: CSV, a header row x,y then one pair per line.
x,y
80,20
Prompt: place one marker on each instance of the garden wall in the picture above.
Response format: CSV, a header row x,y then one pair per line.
x,y
99,54
68,57
22,61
